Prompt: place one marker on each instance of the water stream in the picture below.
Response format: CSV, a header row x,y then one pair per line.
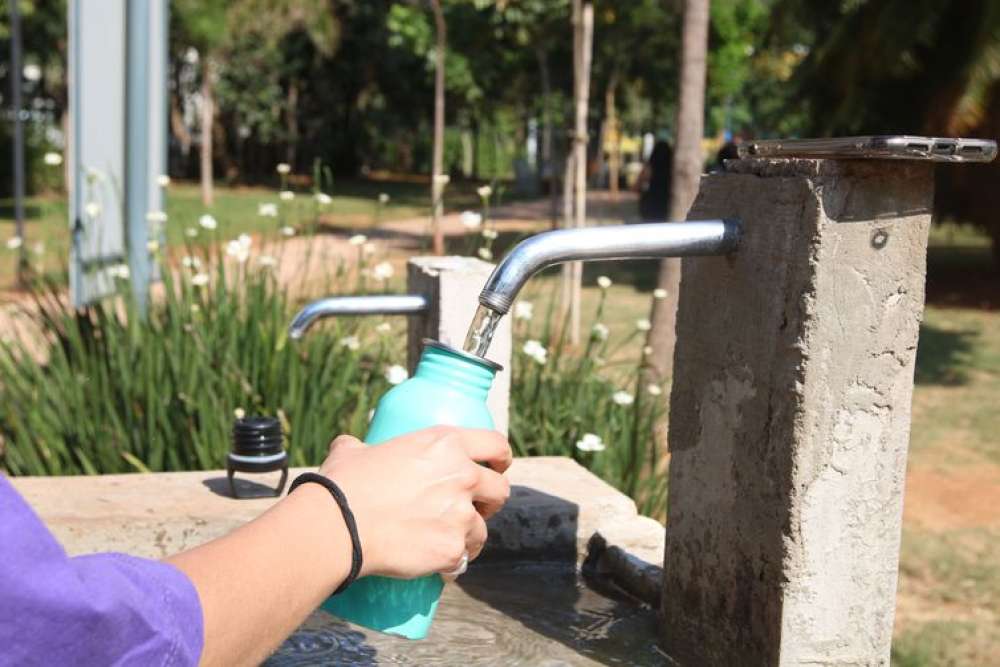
x,y
484,325
542,615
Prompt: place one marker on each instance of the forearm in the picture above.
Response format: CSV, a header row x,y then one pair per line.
x,y
258,583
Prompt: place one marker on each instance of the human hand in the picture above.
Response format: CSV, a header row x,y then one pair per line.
x,y
421,500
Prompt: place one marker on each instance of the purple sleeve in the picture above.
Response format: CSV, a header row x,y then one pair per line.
x,y
99,609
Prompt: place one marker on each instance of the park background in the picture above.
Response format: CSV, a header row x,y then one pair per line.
x,y
344,92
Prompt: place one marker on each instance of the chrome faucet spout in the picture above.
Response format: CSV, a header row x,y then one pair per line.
x,y
641,241
375,304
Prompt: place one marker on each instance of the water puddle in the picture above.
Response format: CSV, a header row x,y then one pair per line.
x,y
498,614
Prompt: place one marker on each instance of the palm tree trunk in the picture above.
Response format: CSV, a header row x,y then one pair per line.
x,y
437,169
686,172
207,121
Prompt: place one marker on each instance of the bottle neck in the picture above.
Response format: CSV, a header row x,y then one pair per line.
x,y
468,374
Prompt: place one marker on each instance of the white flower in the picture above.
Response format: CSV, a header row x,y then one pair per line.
x,y
383,198
53,159
199,279
590,442
622,398
603,282
441,179
383,271
350,342
208,222
523,310
368,248
643,325
163,180
152,246
267,261
92,209
646,351
119,271
287,231
600,331
659,293
283,168
239,250
191,262
357,239
654,390
536,351
286,195
323,199
190,232
239,413
38,248
267,210
244,240
383,328
396,374
471,219
485,253
484,191
490,234
156,216
14,242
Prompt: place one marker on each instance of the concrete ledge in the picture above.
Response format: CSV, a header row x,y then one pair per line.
x,y
556,506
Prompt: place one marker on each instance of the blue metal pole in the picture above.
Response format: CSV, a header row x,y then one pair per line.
x,y
15,93
137,145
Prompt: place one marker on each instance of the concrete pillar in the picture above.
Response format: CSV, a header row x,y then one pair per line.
x,y
790,414
452,286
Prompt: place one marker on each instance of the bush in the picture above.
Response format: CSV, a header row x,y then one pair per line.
x,y
118,392
588,405
121,393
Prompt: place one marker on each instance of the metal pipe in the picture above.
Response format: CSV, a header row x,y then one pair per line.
x,y
652,240
375,304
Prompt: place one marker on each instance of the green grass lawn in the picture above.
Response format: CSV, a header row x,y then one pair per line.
x,y
354,206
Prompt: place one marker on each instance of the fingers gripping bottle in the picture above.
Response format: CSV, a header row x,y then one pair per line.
x,y
449,387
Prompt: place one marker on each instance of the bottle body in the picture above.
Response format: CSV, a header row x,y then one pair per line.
x,y
448,388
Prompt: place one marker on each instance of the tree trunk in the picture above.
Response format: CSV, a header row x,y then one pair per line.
x,y
611,125
685,175
207,121
583,30
292,122
437,169
547,165
178,127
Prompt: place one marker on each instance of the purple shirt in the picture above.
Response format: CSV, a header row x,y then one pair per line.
x,y
99,609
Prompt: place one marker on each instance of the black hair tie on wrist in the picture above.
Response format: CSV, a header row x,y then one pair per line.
x,y
345,509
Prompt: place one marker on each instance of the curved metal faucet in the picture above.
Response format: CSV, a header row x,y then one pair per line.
x,y
376,304
650,240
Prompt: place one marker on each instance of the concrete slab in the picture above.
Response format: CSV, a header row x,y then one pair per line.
x,y
555,507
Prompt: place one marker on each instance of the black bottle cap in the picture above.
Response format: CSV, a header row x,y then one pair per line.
x,y
257,436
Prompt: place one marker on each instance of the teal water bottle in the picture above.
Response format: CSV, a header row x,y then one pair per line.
x,y
449,387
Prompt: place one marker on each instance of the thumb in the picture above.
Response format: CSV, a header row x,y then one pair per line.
x,y
344,444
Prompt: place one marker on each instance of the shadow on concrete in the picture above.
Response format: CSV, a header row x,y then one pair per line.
x,y
944,357
245,487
